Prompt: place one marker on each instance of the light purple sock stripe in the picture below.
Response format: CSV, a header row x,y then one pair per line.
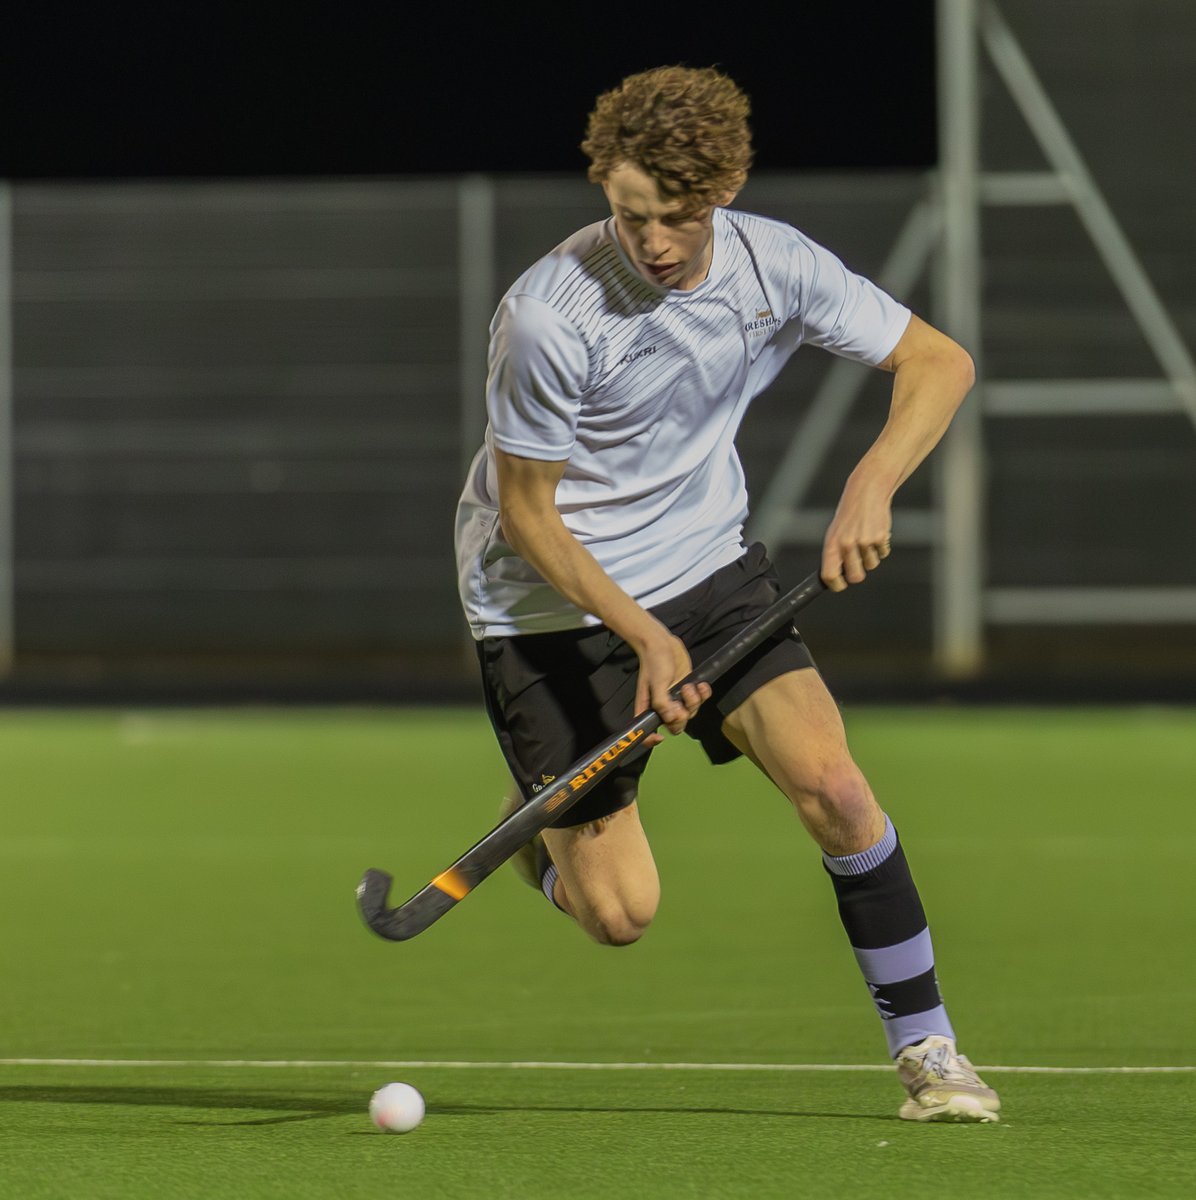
x,y
916,1027
892,964
549,881
865,860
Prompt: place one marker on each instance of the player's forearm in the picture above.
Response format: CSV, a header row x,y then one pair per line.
x,y
928,389
541,538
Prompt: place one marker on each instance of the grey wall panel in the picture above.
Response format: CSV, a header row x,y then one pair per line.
x,y
237,408
236,423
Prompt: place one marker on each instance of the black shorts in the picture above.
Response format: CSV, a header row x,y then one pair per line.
x,y
553,696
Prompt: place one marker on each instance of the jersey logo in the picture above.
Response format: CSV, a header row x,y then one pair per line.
x,y
635,356
763,322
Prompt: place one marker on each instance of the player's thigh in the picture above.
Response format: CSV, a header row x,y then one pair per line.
x,y
791,728
607,864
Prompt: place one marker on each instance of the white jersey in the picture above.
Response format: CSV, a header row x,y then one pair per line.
x,y
641,390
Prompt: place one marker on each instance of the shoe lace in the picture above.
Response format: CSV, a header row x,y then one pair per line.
x,y
940,1063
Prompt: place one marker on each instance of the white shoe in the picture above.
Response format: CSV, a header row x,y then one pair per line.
x,y
527,859
942,1085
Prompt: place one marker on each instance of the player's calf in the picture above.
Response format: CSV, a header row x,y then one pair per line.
x,y
614,907
607,878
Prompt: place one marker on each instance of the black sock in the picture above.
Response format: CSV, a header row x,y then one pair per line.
x,y
886,925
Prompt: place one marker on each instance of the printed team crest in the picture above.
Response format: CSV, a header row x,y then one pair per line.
x,y
762,323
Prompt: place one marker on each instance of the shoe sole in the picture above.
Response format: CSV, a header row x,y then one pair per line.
x,y
961,1108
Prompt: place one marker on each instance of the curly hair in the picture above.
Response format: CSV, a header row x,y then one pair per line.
x,y
687,127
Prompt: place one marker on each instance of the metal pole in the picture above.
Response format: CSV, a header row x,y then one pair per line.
x,y
959,561
7,455
1073,175
476,273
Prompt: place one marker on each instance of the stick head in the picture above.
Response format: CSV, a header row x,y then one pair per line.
x,y
410,918
372,894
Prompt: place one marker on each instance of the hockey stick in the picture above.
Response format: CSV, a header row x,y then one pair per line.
x,y
436,898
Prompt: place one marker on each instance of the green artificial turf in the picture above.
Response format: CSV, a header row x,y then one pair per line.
x,y
178,888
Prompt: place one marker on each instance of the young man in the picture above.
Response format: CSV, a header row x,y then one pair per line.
x,y
599,535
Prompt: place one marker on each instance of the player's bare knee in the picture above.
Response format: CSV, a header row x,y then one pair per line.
x,y
616,932
618,924
839,806
850,796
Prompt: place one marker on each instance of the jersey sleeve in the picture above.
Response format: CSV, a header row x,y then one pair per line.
x,y
538,368
843,312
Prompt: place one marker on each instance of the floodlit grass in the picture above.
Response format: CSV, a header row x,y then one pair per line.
x,y
178,887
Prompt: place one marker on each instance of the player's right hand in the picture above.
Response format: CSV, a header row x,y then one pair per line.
x,y
663,661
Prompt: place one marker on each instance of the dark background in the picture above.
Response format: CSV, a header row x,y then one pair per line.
x,y
117,90
237,323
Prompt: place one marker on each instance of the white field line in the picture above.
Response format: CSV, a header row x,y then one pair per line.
x,y
451,1065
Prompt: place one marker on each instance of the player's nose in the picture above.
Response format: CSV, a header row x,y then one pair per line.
x,y
653,241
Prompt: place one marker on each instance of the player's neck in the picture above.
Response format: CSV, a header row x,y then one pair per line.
x,y
701,271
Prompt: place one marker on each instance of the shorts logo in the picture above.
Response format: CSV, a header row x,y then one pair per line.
x,y
763,322
545,780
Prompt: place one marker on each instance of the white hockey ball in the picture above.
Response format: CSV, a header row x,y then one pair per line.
x,y
397,1108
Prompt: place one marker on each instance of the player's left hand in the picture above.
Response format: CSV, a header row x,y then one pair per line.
x,y
858,540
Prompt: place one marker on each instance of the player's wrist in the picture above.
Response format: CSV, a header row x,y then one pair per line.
x,y
647,636
873,480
